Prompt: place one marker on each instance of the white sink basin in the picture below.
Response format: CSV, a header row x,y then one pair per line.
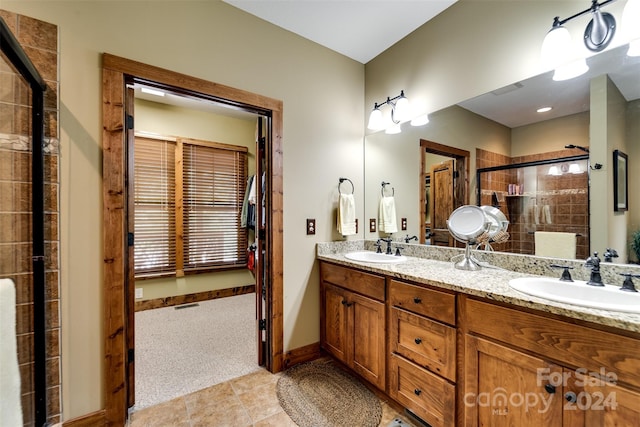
x,y
368,256
579,293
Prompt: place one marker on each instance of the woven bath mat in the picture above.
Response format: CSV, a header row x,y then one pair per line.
x,y
320,394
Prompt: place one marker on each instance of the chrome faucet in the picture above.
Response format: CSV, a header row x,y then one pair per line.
x,y
593,262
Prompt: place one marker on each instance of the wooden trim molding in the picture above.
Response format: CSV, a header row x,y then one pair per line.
x,y
115,72
192,298
303,354
94,419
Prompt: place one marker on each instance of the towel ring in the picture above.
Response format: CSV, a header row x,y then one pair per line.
x,y
341,180
384,185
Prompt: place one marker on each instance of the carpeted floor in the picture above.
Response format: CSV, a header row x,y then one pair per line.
x,y
179,351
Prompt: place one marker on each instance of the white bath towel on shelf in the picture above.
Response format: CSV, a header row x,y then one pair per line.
x,y
347,215
555,244
387,215
10,403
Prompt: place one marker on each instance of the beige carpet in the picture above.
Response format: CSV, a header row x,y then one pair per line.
x,y
321,394
181,351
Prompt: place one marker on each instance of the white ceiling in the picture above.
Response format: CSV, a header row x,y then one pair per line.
x,y
359,29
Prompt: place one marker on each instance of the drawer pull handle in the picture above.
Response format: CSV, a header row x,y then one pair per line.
x,y
417,300
417,392
550,388
418,340
571,397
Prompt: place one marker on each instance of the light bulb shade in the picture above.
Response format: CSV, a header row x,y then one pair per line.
x,y
574,168
375,120
555,171
572,69
630,23
393,129
556,47
420,120
402,109
634,48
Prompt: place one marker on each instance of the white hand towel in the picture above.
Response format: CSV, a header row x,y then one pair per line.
x,y
347,215
10,403
387,215
547,214
555,244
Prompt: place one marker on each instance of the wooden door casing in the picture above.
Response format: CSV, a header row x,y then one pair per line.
x,y
441,202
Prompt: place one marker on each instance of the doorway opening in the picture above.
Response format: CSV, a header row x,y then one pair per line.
x,y
444,186
118,129
195,225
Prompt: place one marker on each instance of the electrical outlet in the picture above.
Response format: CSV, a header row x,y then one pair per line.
x,y
139,293
404,223
372,225
311,226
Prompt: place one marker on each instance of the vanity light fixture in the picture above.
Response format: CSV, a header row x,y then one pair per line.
x,y
557,46
574,168
400,111
555,171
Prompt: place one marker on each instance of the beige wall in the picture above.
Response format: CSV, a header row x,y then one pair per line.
x,y
167,120
550,135
633,150
322,93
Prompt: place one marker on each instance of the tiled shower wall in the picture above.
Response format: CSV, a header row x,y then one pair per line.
x,y
40,42
569,208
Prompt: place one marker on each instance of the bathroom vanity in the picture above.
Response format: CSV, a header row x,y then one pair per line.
x,y
462,348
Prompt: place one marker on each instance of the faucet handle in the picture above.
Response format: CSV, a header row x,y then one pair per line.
x,y
378,246
628,285
398,248
566,276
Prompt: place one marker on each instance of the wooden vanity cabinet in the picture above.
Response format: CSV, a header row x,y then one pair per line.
x,y
422,344
527,369
353,325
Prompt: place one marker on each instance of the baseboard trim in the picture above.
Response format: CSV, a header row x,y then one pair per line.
x,y
191,298
302,354
94,419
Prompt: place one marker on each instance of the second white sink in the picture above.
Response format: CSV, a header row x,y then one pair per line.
x,y
579,293
368,256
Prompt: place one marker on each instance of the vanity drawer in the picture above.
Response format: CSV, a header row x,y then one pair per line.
x,y
357,281
425,394
427,302
423,341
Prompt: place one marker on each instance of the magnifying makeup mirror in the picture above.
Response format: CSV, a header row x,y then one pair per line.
x,y
466,224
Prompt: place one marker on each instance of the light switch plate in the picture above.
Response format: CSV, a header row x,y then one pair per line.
x,y
311,226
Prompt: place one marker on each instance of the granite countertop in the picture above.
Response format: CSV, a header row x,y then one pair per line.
x,y
489,283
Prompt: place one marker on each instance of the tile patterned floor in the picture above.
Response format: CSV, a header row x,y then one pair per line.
x,y
250,400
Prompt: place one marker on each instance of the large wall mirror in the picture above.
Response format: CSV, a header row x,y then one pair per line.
x,y
591,116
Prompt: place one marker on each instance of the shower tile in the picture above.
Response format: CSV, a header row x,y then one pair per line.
x,y
45,61
33,32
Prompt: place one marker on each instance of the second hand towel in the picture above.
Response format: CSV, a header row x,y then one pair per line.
x,y
387,215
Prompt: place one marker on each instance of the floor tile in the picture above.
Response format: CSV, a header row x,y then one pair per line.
x,y
261,402
223,413
171,413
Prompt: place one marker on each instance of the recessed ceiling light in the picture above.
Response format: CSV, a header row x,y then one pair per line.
x,y
152,91
543,109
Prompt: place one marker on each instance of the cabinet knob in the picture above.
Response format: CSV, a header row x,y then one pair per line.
x,y
348,304
417,300
549,388
418,340
417,392
571,397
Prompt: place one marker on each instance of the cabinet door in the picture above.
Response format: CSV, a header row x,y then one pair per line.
x,y
601,403
368,318
335,337
505,387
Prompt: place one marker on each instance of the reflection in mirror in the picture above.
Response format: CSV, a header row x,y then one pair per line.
x,y
502,128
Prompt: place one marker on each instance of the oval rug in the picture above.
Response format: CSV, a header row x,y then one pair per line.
x,y
319,393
